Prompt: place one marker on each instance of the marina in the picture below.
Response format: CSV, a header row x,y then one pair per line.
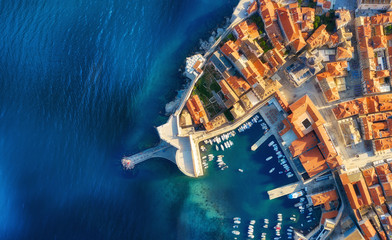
x,y
247,179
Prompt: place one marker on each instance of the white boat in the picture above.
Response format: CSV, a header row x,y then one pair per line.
x,y
237,221
235,232
223,148
296,195
268,158
240,170
204,157
237,218
216,147
231,143
272,169
270,143
252,222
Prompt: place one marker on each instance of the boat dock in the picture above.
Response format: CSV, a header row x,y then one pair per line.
x,y
261,141
285,190
163,150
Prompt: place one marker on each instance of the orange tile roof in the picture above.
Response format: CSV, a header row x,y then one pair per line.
x,y
196,109
379,30
382,144
379,42
267,10
227,91
334,39
245,30
350,108
303,144
384,18
368,229
364,31
302,106
387,188
344,53
238,84
336,68
326,147
282,100
324,198
343,18
313,162
289,28
295,13
299,43
327,5
356,201
367,105
319,38
329,88
328,215
377,194
274,58
382,73
370,176
383,171
229,47
252,8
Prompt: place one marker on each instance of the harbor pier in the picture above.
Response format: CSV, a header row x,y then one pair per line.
x,y
285,190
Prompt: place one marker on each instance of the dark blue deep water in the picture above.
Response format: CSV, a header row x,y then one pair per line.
x,y
82,83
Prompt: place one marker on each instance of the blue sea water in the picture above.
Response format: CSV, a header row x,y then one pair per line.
x,y
83,83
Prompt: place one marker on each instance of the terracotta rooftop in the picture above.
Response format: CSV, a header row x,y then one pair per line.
x,y
329,88
245,30
313,162
274,58
370,176
324,198
356,182
387,188
238,84
267,10
303,144
252,7
228,92
368,229
384,18
289,28
379,42
299,43
336,68
382,144
196,109
383,171
377,194
328,215
344,53
301,110
327,5
326,147
319,38
343,17
229,47
366,105
282,100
